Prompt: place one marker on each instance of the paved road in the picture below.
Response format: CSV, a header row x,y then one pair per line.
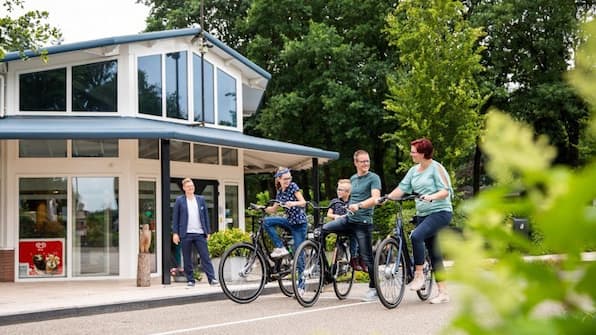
x,y
272,314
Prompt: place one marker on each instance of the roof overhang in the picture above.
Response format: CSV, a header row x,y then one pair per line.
x,y
260,154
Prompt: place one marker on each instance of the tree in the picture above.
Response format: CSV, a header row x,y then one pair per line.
x,y
433,92
223,18
529,45
27,32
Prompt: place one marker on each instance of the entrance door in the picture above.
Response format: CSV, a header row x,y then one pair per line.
x,y
204,187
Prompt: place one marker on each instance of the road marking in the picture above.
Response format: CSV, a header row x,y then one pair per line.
x,y
225,324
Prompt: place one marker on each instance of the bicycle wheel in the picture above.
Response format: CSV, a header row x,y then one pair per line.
x,y
242,273
285,281
390,276
342,272
426,290
307,276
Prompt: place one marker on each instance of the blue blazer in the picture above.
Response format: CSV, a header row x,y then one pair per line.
x,y
180,225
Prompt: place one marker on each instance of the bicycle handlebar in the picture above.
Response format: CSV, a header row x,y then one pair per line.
x,y
404,197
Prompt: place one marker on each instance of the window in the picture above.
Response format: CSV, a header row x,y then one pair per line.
x,y
198,81
179,151
229,156
149,148
149,78
231,206
42,148
43,210
95,148
226,99
95,87
43,91
176,86
147,214
206,154
95,246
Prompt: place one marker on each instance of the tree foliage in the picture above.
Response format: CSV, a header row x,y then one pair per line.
x,y
529,45
26,32
512,295
433,92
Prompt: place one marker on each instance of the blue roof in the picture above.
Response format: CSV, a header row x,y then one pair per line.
x,y
102,42
111,127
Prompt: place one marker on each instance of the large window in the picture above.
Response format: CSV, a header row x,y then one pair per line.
x,y
96,226
43,91
213,104
43,209
95,87
176,86
205,81
149,77
226,99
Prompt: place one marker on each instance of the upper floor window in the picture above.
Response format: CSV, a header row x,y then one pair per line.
x,y
94,89
176,86
204,79
43,91
168,93
149,77
226,99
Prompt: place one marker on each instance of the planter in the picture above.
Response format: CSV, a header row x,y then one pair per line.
x,y
233,268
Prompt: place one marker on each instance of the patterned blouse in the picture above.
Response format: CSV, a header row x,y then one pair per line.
x,y
295,215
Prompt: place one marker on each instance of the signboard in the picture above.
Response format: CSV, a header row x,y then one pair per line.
x,y
41,257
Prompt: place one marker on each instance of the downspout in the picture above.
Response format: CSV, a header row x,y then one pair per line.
x,y
2,93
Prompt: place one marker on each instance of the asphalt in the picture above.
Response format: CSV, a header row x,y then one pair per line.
x,y
22,302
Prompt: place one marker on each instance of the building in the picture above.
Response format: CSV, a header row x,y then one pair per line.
x,y
95,142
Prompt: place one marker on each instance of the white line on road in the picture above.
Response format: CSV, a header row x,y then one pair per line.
x,y
225,324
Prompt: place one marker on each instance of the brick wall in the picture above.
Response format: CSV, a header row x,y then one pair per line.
x,y
6,265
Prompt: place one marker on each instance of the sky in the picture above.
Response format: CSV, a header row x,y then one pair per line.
x,y
83,20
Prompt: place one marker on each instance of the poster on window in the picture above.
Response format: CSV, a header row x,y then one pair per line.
x,y
41,257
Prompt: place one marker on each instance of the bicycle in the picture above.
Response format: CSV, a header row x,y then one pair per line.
x,y
246,267
311,269
394,265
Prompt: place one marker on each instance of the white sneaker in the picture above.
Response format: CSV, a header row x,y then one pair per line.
x,y
279,252
417,283
371,295
442,297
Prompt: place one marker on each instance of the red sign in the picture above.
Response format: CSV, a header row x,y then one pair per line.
x,y
41,257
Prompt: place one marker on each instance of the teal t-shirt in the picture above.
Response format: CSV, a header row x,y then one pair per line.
x,y
428,181
362,187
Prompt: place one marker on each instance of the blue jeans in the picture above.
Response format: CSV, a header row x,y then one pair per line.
x,y
200,242
362,233
426,232
298,231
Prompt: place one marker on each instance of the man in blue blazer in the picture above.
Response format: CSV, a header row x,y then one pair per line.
x,y
191,226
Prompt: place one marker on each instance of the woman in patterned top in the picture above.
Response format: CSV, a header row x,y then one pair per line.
x,y
288,193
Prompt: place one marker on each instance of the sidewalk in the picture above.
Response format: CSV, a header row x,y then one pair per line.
x,y
28,301
34,301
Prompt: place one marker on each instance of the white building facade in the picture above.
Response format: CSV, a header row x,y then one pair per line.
x,y
94,143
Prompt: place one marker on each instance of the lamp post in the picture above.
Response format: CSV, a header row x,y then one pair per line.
x,y
203,46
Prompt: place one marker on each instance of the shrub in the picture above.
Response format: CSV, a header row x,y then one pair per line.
x,y
221,240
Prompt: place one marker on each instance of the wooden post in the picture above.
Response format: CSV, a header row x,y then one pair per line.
x,y
144,260
144,270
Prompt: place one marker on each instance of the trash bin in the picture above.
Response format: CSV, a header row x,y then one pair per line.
x,y
522,226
